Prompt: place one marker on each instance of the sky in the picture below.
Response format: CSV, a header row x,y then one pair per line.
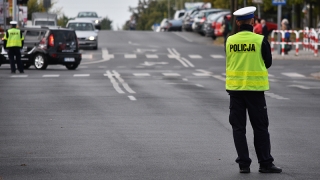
x,y
115,10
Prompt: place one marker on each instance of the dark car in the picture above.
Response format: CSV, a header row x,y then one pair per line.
x,y
202,16
189,19
208,27
45,46
171,25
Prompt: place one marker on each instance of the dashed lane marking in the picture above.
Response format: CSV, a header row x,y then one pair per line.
x,y
217,56
152,56
141,74
171,74
81,75
195,56
132,98
293,75
51,75
130,56
19,76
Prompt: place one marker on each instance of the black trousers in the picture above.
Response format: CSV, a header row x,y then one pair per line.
x,y
14,52
254,103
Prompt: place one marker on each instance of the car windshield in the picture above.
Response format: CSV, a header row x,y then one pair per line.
x,y
81,26
87,14
214,16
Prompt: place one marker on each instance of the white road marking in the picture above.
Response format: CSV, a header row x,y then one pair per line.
x,y
102,67
81,75
130,56
270,75
105,54
303,87
132,98
299,86
180,35
124,84
86,56
171,74
275,96
141,74
185,79
173,54
201,74
114,83
152,56
51,75
195,56
293,75
19,76
199,85
217,56
219,77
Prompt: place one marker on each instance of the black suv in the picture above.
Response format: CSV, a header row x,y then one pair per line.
x,y
44,46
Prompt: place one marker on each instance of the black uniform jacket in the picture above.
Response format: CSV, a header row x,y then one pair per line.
x,y
265,47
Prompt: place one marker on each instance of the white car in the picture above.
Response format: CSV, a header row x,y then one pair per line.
x,y
92,16
86,33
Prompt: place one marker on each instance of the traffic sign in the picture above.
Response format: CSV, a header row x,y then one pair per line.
x,y
279,2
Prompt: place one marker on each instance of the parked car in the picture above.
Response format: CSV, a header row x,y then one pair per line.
x,y
189,19
171,25
202,16
209,24
46,46
86,33
92,16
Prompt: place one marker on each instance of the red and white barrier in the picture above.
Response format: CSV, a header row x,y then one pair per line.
x,y
309,43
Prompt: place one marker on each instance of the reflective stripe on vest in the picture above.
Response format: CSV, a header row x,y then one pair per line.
x,y
14,39
245,68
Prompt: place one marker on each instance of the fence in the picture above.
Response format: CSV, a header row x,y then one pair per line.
x,y
309,41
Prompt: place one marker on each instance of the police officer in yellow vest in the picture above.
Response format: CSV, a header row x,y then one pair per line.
x,y
248,56
13,42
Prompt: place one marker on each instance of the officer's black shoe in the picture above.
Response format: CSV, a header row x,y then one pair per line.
x,y
244,169
12,72
22,72
270,169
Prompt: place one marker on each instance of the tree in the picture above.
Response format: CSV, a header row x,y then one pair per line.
x,y
63,20
106,24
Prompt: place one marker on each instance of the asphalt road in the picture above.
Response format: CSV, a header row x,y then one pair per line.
x,y
150,105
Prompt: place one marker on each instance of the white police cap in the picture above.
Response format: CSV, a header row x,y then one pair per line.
x,y
245,13
13,22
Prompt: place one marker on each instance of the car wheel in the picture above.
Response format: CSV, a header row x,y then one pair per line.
x,y
95,47
72,66
40,62
214,37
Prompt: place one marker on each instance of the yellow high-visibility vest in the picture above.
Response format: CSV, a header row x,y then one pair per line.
x,y
245,68
13,37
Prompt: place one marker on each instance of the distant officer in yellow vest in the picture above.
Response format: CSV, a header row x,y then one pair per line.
x,y
248,56
13,42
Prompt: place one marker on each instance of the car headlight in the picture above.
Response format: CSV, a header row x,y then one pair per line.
x,y
96,21
91,38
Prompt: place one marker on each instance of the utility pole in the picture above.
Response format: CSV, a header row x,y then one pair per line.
x,y
14,8
4,5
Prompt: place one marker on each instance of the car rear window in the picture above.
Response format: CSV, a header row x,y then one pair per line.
x,y
65,40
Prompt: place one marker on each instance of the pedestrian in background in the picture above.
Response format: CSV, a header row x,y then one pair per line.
x,y
13,42
285,26
227,28
257,27
265,31
248,55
